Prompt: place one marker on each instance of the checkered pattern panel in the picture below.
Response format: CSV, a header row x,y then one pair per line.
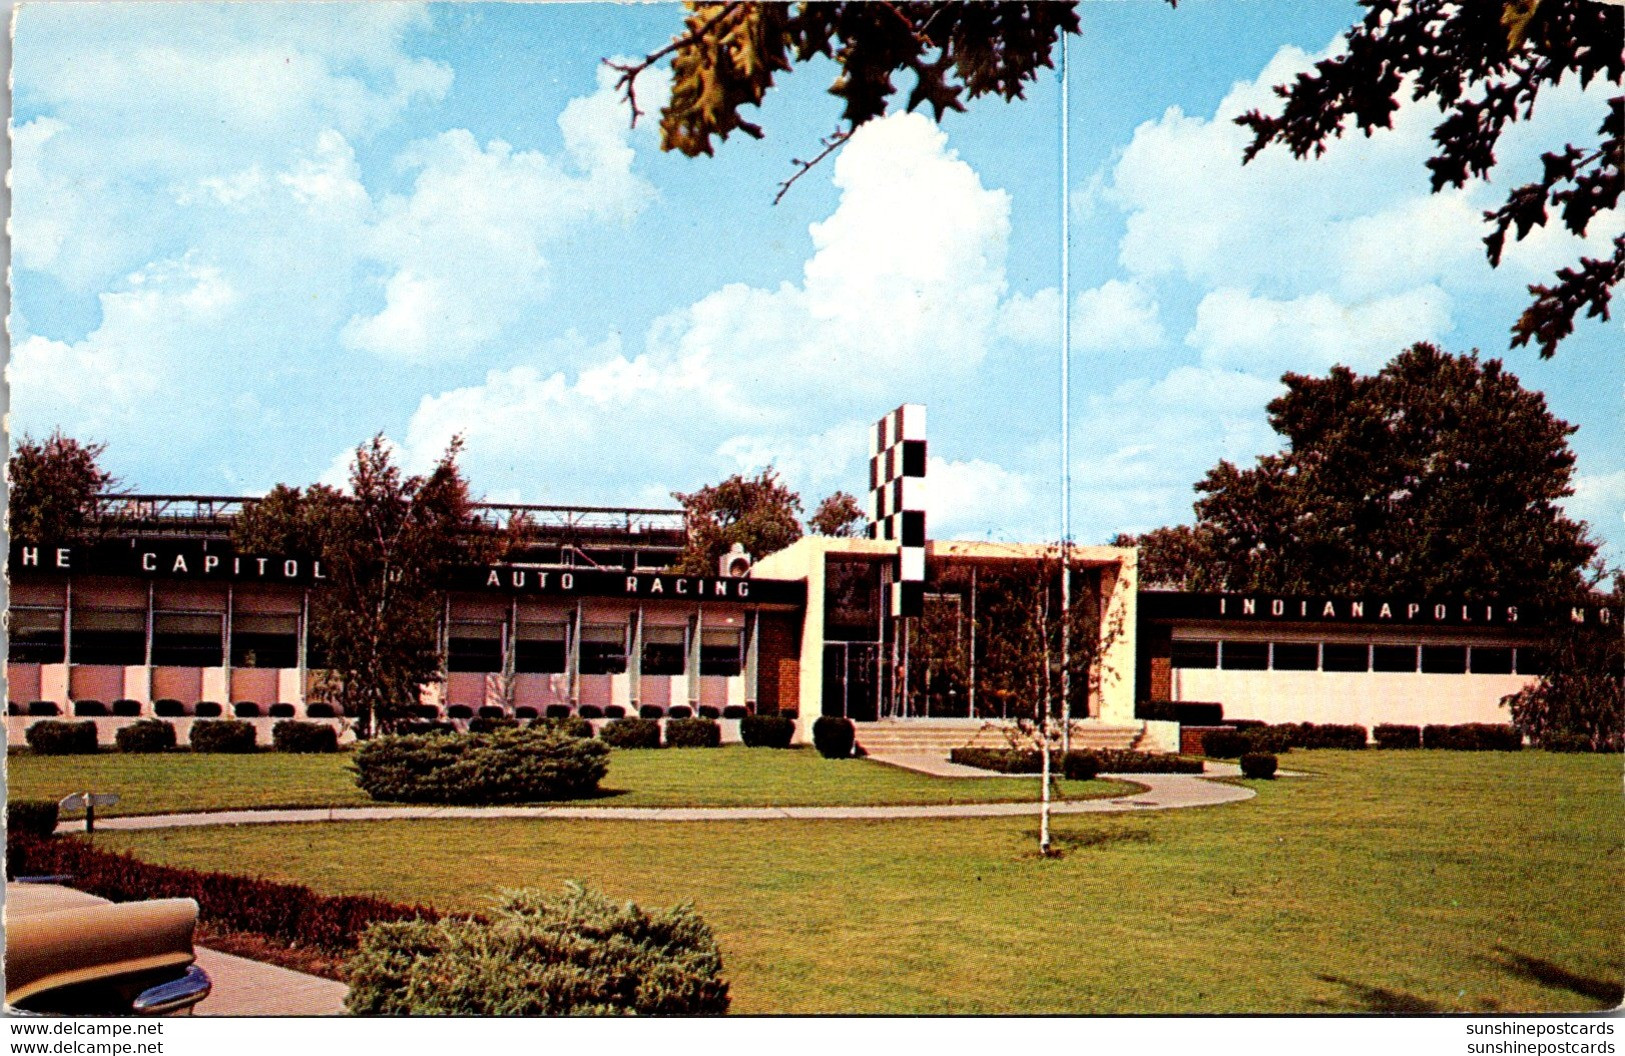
x,y
897,500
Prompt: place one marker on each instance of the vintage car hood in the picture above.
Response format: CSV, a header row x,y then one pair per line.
x,y
56,936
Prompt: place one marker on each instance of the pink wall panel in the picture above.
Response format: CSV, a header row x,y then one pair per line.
x,y
23,682
96,682
184,684
258,684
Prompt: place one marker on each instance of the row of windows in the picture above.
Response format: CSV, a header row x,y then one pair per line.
x,y
1346,656
179,639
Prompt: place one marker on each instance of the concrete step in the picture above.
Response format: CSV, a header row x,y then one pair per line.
x,y
918,736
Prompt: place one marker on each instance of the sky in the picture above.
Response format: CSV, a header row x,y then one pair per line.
x,y
247,237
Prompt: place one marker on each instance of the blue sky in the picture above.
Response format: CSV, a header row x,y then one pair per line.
x,y
247,237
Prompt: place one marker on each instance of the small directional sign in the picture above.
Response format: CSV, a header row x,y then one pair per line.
x,y
87,802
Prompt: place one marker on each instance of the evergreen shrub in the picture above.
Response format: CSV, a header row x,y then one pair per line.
x,y
31,818
304,738
631,733
506,766
693,733
1393,736
146,735
60,737
1260,765
834,737
232,736
767,731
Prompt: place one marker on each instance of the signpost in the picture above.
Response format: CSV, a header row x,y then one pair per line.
x,y
87,802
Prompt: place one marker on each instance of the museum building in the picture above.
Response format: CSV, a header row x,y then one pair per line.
x,y
165,617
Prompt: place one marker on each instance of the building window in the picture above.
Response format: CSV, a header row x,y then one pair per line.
x,y
665,650
265,641
540,648
603,649
474,646
1444,659
1343,656
1490,660
1189,654
1532,660
1295,656
721,652
36,636
1393,658
188,639
1245,656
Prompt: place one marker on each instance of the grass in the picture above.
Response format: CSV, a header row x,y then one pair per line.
x,y
732,776
1387,881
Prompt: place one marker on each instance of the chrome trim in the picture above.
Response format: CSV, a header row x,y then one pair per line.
x,y
165,998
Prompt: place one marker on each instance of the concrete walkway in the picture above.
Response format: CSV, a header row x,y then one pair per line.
x,y
1162,792
248,988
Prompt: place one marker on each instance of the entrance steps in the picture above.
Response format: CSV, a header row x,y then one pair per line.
x,y
941,736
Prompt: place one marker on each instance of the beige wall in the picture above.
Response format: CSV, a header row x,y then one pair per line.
x,y
1364,698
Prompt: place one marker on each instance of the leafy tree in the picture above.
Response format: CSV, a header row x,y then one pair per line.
x,y
387,547
838,515
1484,64
760,513
288,521
55,487
1437,476
729,53
1173,558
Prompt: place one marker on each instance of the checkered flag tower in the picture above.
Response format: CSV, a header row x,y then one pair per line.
x,y
897,500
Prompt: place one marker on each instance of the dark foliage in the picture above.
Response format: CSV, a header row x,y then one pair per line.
x,y
1259,765
710,711
1323,735
168,709
1184,712
631,733
611,711
57,737
283,710
507,766
222,735
735,711
459,711
1368,498
651,711
833,737
1473,737
759,513
1079,766
246,709
535,956
43,707
1392,736
566,725
90,709
305,738
491,711
593,711
1484,65
525,711
484,723
557,711
999,760
1115,761
1563,705
693,733
146,735
767,731
1226,744
1571,742
288,912
207,709
680,711
54,486
126,708
31,819
321,709
1096,761
419,729
840,515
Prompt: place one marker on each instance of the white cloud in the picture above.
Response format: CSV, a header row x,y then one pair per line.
x,y
468,248
1599,499
1116,315
973,493
1310,334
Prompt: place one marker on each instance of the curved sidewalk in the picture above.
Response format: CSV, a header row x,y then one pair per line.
x,y
1162,792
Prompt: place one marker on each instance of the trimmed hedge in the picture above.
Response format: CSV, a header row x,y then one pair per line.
x,y
710,711
614,711
651,711
590,711
1393,736
456,711
507,766
1259,765
168,708
1225,744
246,709
834,737
232,736
566,725
282,710
304,738
126,708
1101,760
693,733
1568,742
321,709
484,723
419,729
208,709
90,709
59,737
31,818
525,711
680,711
43,708
1079,766
557,711
1473,737
1124,761
1184,712
999,760
287,912
1323,735
631,733
1253,737
581,954
147,735
767,731
735,711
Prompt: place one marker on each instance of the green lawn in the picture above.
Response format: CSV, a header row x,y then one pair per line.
x,y
732,776
1387,881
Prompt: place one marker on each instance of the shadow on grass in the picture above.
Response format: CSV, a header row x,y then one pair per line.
x,y
1063,843
1608,993
1383,1000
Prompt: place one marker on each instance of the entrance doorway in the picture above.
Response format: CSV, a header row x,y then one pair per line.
x,y
852,680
